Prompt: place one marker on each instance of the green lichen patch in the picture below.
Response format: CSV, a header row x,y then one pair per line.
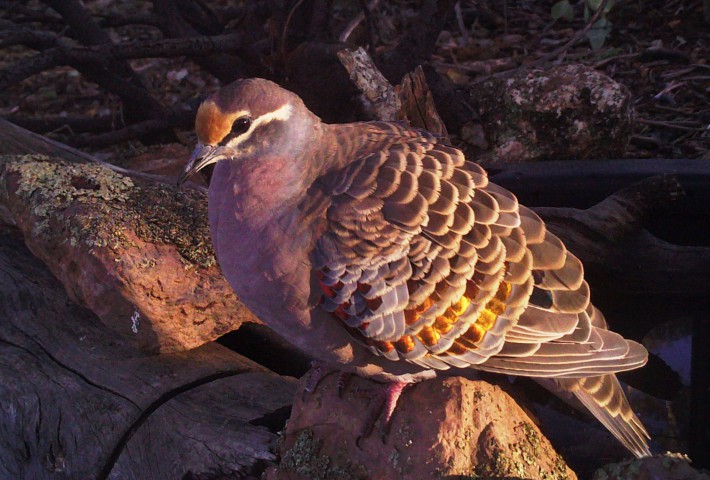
x,y
60,184
92,204
161,214
304,458
667,465
499,465
522,458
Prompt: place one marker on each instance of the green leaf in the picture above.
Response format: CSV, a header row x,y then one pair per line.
x,y
562,9
598,33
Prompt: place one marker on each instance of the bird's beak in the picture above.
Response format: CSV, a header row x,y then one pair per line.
x,y
202,156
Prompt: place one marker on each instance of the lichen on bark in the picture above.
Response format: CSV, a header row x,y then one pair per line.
x,y
57,190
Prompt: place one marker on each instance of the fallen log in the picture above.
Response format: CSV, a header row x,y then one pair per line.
x,y
136,252
80,402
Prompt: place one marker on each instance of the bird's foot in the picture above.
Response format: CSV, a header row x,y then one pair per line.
x,y
318,372
382,407
343,380
316,375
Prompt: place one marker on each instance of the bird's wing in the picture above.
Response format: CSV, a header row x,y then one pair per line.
x,y
423,260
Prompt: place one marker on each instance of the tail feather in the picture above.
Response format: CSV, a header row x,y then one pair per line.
x,y
604,398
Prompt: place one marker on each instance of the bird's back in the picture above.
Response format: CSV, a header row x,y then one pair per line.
x,y
423,260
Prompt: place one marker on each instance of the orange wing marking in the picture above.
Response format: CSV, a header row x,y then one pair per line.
x,y
430,335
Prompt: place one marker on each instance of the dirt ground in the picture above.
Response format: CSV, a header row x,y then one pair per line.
x,y
658,49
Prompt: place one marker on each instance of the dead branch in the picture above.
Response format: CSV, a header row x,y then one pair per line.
x,y
106,54
12,34
418,104
370,81
117,77
177,118
176,25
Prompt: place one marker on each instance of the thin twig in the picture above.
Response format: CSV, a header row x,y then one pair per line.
x,y
673,125
284,34
572,41
626,56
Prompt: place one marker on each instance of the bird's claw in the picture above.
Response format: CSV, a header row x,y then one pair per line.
x,y
343,380
315,376
383,409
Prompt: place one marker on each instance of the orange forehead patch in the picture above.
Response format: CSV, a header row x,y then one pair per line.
x,y
212,124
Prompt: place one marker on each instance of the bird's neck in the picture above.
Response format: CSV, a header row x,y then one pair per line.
x,y
254,194
258,191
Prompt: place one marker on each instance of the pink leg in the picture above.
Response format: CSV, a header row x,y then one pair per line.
x,y
393,392
382,406
316,375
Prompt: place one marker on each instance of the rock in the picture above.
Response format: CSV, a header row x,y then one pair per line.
x,y
668,466
138,254
567,112
442,428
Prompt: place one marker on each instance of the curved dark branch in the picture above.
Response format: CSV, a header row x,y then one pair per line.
x,y
118,77
111,20
200,16
26,67
178,118
225,67
20,13
72,124
11,35
106,54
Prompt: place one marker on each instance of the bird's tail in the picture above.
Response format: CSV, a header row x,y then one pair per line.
x,y
604,398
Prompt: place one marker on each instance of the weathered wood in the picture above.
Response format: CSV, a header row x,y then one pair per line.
x,y
377,90
80,402
137,253
418,104
609,237
16,140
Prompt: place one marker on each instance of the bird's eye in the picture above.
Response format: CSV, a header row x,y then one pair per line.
x,y
241,125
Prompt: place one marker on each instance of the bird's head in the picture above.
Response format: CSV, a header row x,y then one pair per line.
x,y
245,120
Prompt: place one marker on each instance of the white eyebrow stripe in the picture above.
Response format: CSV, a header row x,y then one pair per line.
x,y
282,113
